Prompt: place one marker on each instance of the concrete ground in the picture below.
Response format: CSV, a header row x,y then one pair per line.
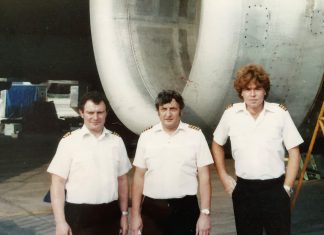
x,y
24,182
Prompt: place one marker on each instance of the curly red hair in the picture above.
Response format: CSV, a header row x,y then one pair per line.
x,y
251,73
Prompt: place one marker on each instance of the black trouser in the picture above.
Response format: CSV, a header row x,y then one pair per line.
x,y
261,204
170,216
89,219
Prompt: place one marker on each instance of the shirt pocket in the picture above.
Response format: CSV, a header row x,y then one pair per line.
x,y
238,139
82,162
109,157
270,131
271,137
153,157
186,159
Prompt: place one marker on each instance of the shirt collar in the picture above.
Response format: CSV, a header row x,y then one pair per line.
x,y
239,107
85,131
158,127
269,107
242,107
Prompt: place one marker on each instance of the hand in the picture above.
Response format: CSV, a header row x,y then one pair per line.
x,y
136,224
63,228
203,225
229,184
123,225
288,190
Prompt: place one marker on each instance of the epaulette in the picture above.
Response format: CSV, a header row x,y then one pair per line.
x,y
67,134
283,107
147,129
194,127
229,106
115,133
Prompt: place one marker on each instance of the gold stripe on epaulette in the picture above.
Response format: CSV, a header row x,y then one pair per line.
x,y
283,107
67,134
229,106
194,127
147,129
115,133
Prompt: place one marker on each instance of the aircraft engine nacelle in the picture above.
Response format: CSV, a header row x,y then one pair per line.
x,y
195,47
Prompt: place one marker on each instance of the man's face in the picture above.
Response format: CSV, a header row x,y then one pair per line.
x,y
253,96
169,115
94,116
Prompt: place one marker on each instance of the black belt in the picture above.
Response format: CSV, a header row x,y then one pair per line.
x,y
278,180
172,201
166,206
92,206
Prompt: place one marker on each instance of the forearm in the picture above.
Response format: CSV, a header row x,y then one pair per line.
x,y
219,159
123,192
58,198
137,191
203,224
292,166
204,187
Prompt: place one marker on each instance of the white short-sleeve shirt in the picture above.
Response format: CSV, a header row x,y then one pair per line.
x,y
258,144
91,166
171,161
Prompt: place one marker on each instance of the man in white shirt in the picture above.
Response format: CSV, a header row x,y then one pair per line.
x,y
170,156
91,164
258,131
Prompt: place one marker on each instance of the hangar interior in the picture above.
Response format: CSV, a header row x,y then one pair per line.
x,y
52,52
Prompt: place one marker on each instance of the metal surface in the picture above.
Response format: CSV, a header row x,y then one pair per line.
x,y
195,47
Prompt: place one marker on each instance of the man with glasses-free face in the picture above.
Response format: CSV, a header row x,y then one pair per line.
x,y
171,158
258,131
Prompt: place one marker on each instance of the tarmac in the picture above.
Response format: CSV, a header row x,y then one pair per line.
x,y
24,182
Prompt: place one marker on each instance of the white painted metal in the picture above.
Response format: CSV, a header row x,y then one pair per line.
x,y
116,65
216,54
142,51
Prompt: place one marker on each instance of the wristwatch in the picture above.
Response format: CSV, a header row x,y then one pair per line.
x,y
124,213
289,190
205,211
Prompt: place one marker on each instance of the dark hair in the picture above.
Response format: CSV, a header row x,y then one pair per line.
x,y
166,96
95,96
248,73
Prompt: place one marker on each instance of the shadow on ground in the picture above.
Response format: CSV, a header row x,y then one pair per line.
x,y
308,214
8,227
25,153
